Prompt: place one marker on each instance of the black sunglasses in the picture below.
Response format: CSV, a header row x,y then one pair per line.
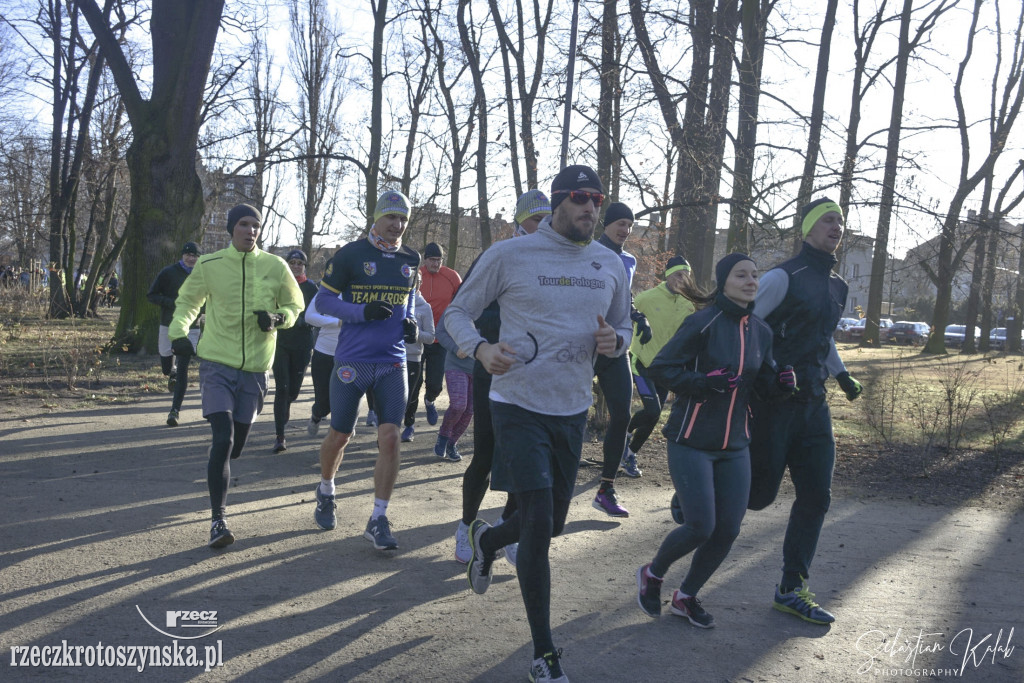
x,y
582,197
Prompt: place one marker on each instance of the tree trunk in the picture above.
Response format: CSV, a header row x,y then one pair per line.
x,y
471,46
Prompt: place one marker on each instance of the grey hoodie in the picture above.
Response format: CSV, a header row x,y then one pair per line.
x,y
550,291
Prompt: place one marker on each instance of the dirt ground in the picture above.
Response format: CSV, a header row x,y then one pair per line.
x,y
103,525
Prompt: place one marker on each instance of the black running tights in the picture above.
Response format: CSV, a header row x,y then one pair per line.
x,y
540,517
478,473
616,382
289,370
228,439
181,381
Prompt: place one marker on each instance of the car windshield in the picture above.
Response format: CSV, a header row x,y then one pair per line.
x,y
959,329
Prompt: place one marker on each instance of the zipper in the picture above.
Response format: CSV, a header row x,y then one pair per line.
x,y
244,254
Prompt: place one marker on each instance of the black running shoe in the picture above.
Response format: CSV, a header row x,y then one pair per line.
x,y
220,535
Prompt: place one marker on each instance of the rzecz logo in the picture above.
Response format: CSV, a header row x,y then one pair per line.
x,y
185,621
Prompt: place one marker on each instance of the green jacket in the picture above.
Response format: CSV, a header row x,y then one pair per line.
x,y
665,312
234,285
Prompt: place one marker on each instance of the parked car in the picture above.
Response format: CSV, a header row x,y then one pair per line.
x,y
905,332
997,338
857,331
956,334
842,332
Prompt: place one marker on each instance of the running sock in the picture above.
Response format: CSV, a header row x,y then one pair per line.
x,y
683,596
650,575
327,487
605,485
380,508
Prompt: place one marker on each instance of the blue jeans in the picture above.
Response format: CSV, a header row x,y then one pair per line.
x,y
713,488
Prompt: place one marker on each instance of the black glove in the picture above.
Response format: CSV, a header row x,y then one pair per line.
x,y
643,328
268,321
786,380
377,310
721,380
182,347
851,387
410,331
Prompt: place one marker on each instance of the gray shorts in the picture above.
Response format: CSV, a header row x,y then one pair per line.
x,y
534,451
225,389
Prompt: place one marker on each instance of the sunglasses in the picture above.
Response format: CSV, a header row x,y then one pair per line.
x,y
582,197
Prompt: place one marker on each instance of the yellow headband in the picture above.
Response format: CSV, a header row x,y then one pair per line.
x,y
676,268
817,212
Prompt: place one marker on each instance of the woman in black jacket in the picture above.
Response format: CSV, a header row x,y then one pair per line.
x,y
716,358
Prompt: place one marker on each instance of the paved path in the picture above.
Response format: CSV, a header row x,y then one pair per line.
x,y
103,526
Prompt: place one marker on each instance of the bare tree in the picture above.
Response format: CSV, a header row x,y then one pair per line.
x,y
315,42
1007,97
469,35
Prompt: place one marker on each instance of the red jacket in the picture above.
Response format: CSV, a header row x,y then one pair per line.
x,y
439,289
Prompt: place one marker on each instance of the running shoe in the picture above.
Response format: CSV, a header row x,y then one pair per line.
x,y
379,532
220,535
478,571
628,464
548,668
324,513
463,549
172,418
451,452
648,592
408,433
691,609
431,413
313,426
371,419
172,382
801,602
608,502
280,445
441,447
677,509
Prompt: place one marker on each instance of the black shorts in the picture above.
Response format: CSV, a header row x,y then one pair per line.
x,y
534,451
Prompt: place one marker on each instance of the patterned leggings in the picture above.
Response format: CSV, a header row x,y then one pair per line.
x,y
460,404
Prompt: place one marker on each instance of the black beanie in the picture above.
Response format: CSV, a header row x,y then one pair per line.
x,y
433,250
190,248
617,211
239,212
725,266
573,178
676,263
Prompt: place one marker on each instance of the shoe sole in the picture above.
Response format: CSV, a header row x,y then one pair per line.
x,y
797,613
639,585
223,541
597,506
686,615
406,440
370,537
469,565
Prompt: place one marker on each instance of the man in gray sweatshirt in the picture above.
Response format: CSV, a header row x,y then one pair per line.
x,y
564,299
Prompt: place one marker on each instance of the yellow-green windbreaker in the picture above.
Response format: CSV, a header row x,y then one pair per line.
x,y
234,285
665,312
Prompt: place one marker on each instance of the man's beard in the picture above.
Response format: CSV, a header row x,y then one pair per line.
x,y
577,233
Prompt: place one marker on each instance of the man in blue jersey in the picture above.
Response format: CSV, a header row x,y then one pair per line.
x,y
370,286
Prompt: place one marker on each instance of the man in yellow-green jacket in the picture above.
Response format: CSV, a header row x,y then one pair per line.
x,y
248,294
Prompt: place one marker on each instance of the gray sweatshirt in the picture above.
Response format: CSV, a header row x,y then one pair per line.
x,y
551,291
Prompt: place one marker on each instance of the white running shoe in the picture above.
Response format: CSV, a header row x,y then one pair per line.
x,y
463,550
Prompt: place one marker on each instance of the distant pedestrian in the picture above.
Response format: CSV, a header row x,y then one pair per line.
x,y
438,285
414,364
163,293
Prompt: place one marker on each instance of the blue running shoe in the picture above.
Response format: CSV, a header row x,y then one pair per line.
x,y
220,535
628,464
408,433
451,452
800,602
441,447
324,513
371,419
378,531
431,413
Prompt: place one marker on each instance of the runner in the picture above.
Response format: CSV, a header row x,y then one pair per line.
x,y
322,365
613,375
666,306
163,293
248,294
294,348
712,363
564,300
376,280
802,300
531,208
439,284
414,366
